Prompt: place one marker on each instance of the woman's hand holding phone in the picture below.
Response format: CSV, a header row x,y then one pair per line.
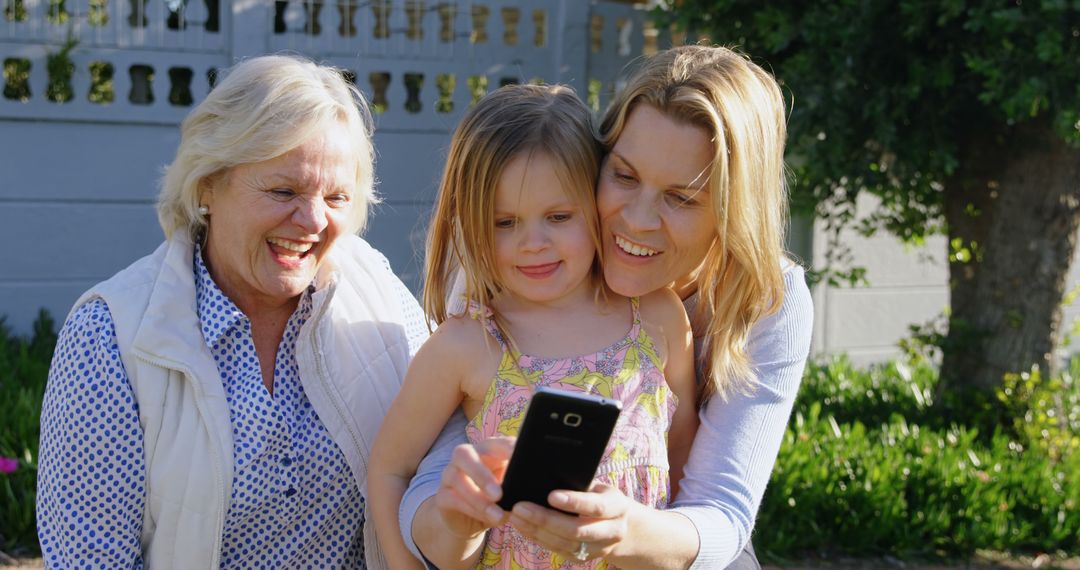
x,y
600,518
613,526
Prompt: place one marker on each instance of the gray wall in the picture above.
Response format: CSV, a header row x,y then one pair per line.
x,y
907,285
75,222
78,179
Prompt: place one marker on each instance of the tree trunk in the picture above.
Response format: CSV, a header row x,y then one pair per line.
x,y
1014,203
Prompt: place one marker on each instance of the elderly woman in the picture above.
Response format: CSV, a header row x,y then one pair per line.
x,y
213,404
691,196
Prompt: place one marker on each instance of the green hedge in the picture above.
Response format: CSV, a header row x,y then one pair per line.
x,y
871,464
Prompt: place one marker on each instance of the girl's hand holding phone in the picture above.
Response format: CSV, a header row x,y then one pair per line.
x,y
471,484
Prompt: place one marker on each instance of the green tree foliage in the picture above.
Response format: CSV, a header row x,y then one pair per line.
x,y
962,118
884,92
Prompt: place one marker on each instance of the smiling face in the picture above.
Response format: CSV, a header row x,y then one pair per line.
x,y
544,250
656,211
272,223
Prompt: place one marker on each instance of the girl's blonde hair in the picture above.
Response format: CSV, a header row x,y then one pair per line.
x,y
513,121
740,107
263,108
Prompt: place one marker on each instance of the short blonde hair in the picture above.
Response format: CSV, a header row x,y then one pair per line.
x,y
512,121
263,108
741,108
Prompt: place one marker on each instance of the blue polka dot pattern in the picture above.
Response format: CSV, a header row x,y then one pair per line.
x,y
294,502
91,488
293,498
416,329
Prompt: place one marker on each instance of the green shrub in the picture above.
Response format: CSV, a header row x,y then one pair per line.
x,y
871,395
1045,413
24,368
871,465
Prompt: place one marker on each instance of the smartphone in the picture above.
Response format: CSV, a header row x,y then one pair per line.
x,y
560,445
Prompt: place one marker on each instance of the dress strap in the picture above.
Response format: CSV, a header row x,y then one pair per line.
x,y
635,310
486,317
635,313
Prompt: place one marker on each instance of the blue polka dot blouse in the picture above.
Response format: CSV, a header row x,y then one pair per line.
x,y
294,502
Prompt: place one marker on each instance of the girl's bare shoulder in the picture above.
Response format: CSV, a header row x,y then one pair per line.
x,y
457,335
463,345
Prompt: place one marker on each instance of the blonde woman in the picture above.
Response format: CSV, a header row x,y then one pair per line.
x,y
213,404
691,197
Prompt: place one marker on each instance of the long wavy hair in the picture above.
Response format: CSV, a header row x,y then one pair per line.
x,y
740,107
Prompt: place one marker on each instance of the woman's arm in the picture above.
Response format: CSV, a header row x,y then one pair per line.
x,y
738,440
91,492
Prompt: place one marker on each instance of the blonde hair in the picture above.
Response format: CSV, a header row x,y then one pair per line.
x,y
740,107
263,108
513,121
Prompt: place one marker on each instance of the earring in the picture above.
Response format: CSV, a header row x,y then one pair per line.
x,y
203,210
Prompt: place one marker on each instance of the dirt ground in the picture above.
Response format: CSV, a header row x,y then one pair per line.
x,y
984,562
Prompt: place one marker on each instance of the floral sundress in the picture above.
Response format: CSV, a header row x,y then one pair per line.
x,y
635,460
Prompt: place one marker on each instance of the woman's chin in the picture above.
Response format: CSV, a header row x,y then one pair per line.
x,y
285,286
292,273
629,283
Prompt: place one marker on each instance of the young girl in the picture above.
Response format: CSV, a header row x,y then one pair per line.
x,y
516,213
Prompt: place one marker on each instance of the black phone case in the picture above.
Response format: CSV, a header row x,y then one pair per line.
x,y
561,442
